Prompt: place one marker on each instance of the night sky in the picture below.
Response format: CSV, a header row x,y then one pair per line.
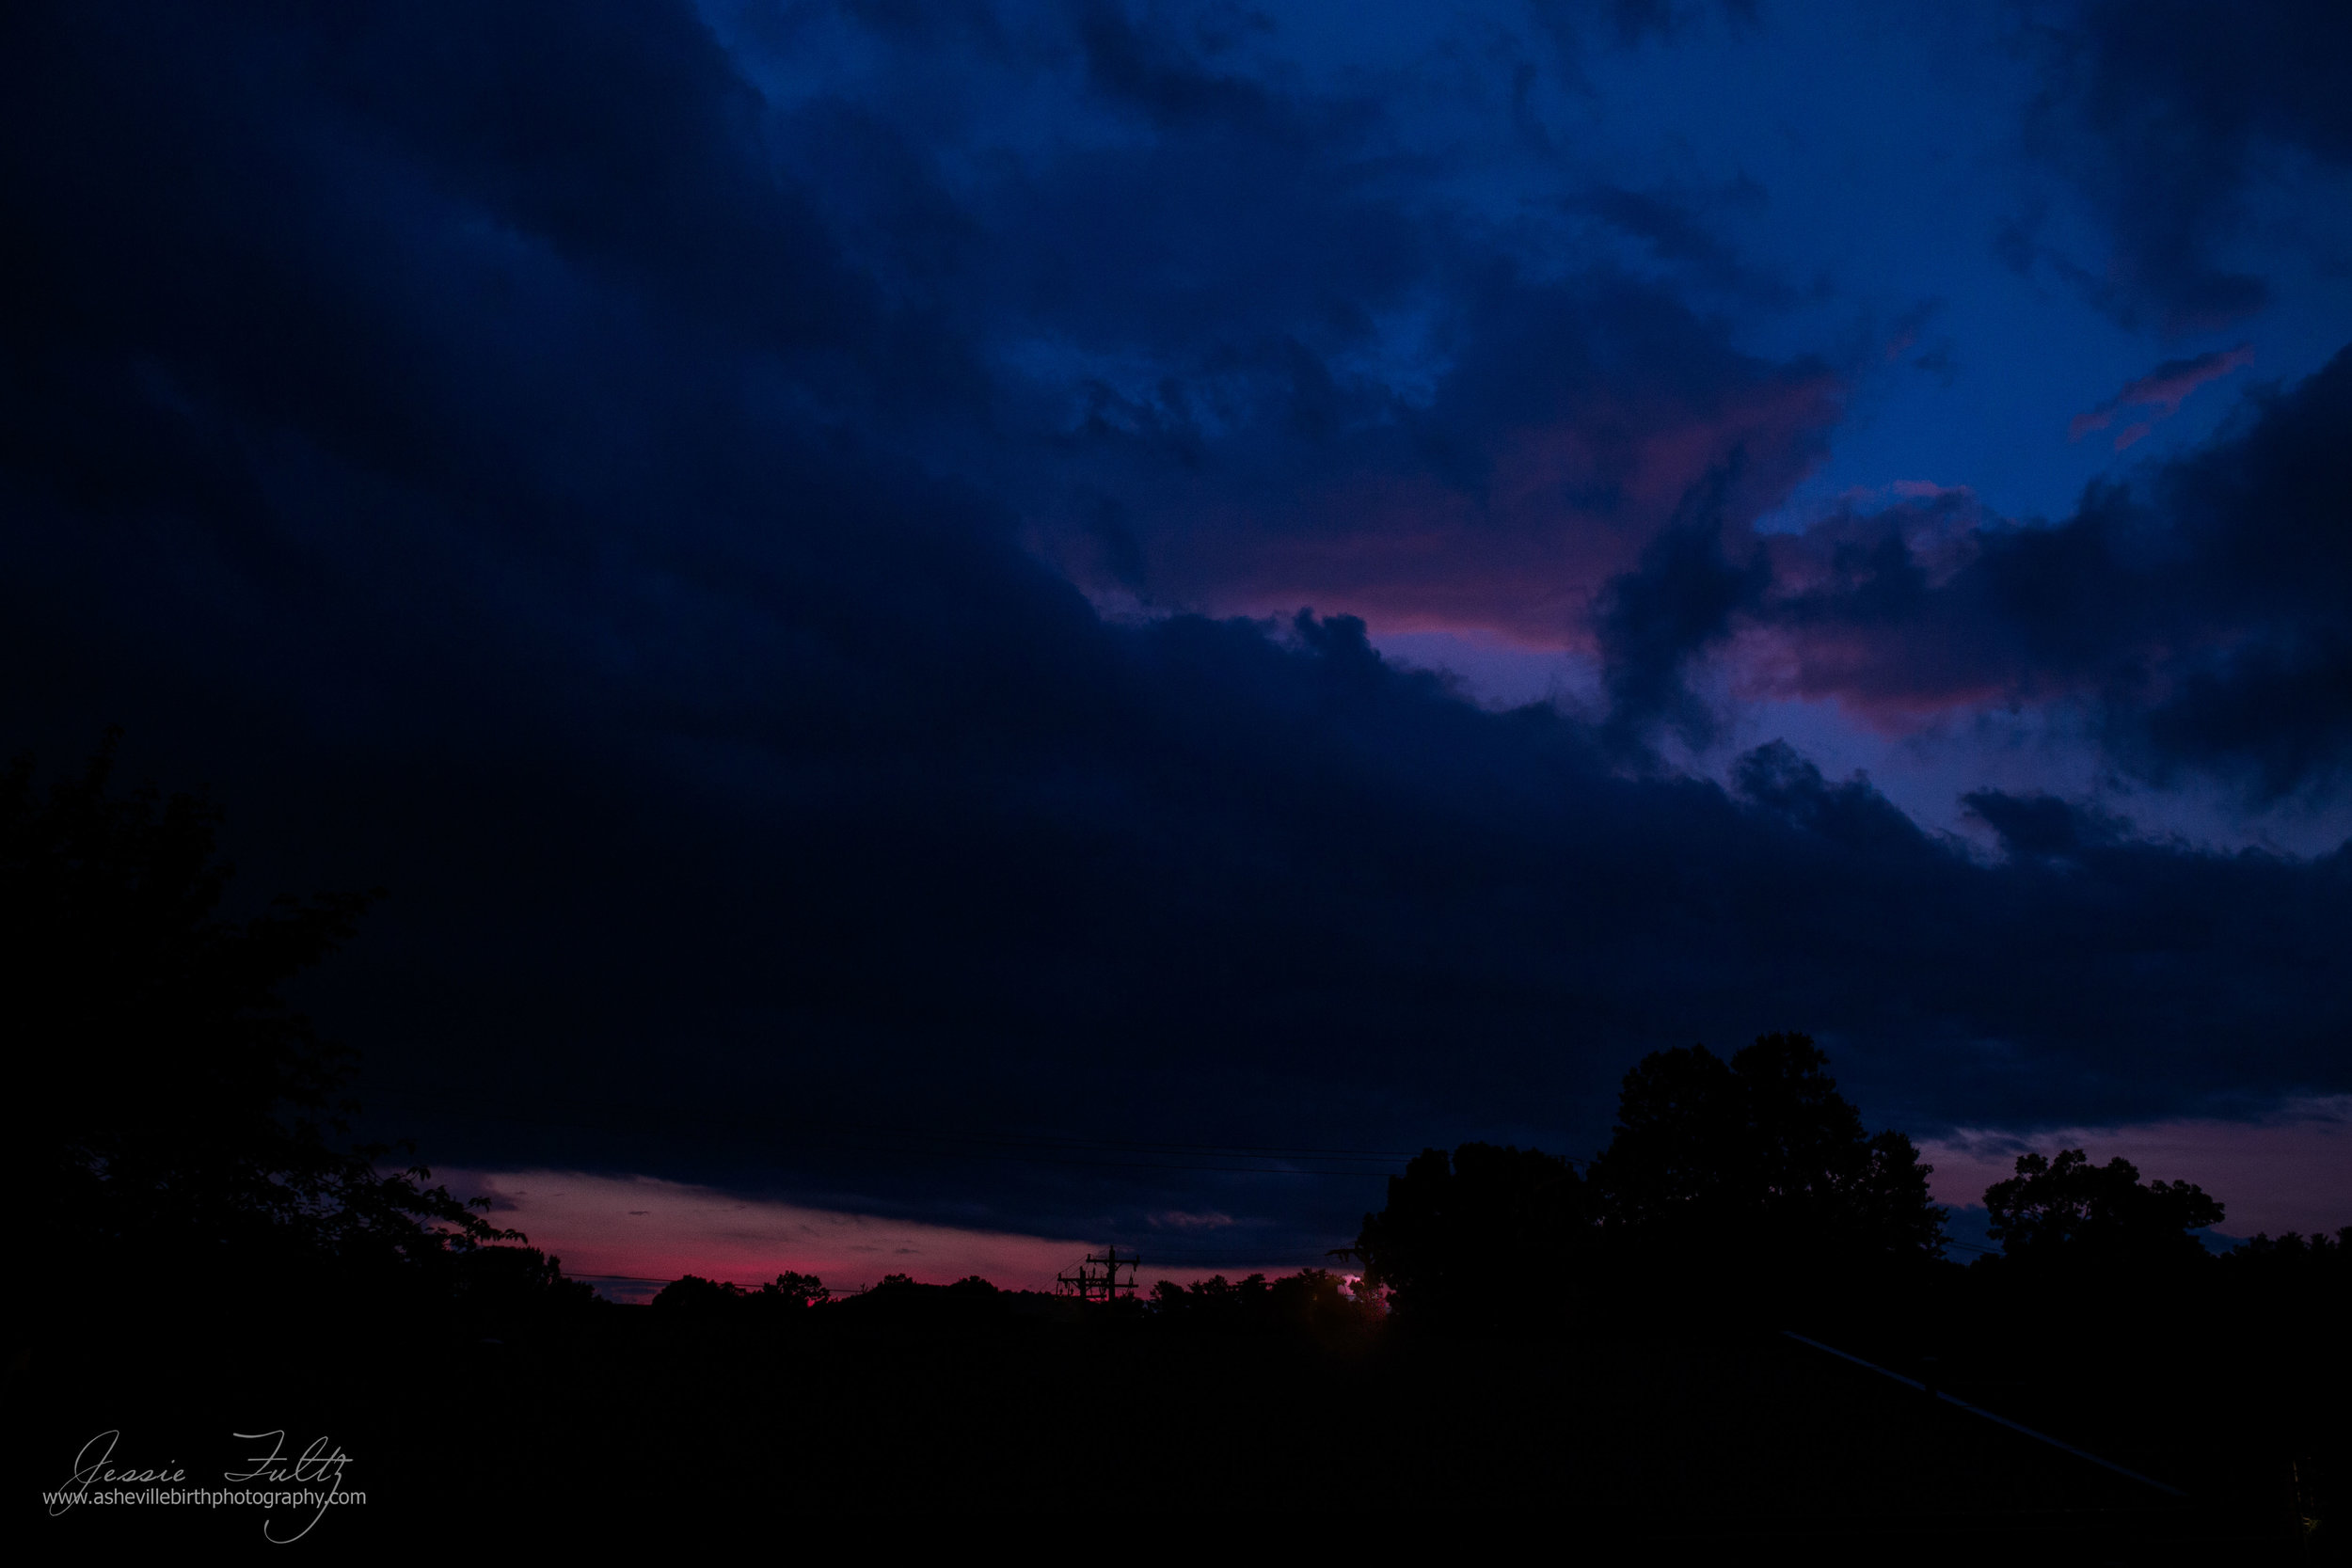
x,y
878,576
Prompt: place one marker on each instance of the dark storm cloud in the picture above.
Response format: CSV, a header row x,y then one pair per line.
x,y
2199,611
483,448
1672,609
1573,421
1260,346
1573,23
2043,826
2162,113
1677,235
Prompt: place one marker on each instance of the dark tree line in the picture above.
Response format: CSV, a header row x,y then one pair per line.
x,y
1750,1190
1753,1170
1312,1302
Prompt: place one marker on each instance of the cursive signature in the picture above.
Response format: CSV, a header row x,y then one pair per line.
x,y
89,1468
321,1465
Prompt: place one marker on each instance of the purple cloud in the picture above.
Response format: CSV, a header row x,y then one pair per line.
x,y
2162,389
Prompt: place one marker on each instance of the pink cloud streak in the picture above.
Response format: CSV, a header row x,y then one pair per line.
x,y
2162,389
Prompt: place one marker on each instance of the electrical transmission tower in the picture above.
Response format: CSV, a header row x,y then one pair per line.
x,y
1098,1279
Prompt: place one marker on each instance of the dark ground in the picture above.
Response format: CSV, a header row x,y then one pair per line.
x,y
623,1420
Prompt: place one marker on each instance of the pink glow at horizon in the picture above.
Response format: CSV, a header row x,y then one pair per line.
x,y
645,1228
2292,1172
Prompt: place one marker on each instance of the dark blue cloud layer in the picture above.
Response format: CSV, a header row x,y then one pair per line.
x,y
2162,113
466,441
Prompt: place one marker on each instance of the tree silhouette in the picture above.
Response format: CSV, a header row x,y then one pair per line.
x,y
1759,1158
1312,1301
1755,1167
1489,1241
510,1292
798,1289
783,1299
171,1105
1216,1302
2292,1254
2068,1211
692,1295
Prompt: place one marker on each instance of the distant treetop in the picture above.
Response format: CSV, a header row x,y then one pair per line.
x,y
1762,1154
2068,1211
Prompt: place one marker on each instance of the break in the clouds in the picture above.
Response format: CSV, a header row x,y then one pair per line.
x,y
2288,1169
780,533
2195,610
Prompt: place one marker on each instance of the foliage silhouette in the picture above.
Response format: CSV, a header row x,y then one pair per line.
x,y
2321,1257
2070,1213
1759,1158
174,1111
1215,1301
1488,1241
797,1290
2295,1292
1755,1171
692,1298
691,1295
1312,1301
513,1292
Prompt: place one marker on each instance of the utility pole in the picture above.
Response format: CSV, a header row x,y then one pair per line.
x,y
1097,1278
